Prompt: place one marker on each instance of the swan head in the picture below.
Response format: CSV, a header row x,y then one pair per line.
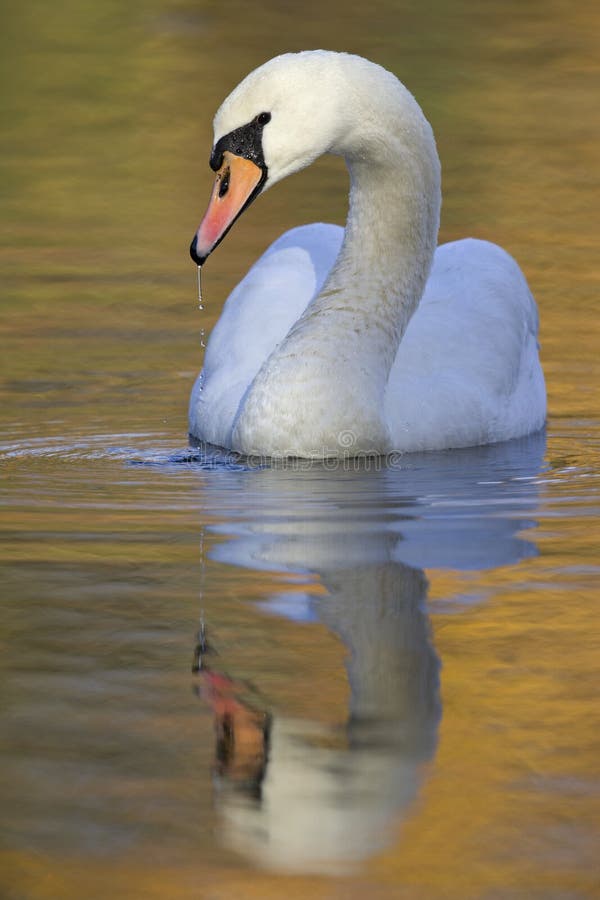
x,y
279,119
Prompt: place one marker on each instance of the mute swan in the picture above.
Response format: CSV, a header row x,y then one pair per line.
x,y
366,339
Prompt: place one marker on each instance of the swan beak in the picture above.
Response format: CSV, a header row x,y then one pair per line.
x,y
237,183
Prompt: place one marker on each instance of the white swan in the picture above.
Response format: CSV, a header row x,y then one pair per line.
x,y
365,339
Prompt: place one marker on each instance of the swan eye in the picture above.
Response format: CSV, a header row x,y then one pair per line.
x,y
263,118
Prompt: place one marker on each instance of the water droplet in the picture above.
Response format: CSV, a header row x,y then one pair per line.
x,y
200,288
202,333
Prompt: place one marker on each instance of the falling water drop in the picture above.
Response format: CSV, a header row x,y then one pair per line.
x,y
200,306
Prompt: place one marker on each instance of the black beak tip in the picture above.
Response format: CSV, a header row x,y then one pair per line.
x,y
199,260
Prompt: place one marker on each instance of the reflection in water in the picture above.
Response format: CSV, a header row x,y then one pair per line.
x,y
327,801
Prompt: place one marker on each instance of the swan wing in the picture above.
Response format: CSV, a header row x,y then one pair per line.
x,y
467,370
256,317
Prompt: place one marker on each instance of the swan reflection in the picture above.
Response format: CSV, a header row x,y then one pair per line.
x,y
295,795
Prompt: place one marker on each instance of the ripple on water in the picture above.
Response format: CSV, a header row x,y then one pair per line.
x,y
132,448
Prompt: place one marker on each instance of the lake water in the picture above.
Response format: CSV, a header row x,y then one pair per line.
x,y
398,695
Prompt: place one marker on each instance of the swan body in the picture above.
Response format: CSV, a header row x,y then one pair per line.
x,y
366,339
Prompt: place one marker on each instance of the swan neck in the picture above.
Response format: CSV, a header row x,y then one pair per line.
x,y
389,241
342,348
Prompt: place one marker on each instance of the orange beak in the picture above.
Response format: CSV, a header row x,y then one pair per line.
x,y
237,183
